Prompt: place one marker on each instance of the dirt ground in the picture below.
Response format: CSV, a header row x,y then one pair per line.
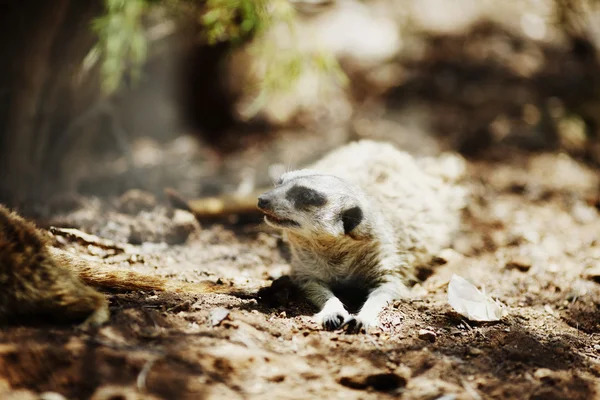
x,y
530,237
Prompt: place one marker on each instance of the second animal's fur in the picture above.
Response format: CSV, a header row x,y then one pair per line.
x,y
359,219
32,283
37,279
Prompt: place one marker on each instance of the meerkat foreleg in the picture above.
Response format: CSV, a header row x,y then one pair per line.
x,y
368,316
332,314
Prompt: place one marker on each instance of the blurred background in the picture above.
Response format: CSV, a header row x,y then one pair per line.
x,y
216,96
104,104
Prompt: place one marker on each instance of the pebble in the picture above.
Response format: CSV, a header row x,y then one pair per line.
x,y
425,334
521,263
52,396
475,351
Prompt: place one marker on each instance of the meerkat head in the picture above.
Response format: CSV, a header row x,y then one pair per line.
x,y
310,204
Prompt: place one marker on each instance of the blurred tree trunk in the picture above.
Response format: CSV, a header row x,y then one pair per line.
x,y
42,46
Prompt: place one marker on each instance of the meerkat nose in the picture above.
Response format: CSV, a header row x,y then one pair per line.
x,y
264,202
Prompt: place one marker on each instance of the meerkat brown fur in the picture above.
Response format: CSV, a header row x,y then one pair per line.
x,y
32,283
38,279
362,217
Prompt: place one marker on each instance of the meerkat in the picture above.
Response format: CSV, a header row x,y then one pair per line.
x,y
38,279
360,220
32,283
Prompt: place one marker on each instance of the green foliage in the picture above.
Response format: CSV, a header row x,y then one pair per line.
x,y
122,45
121,41
284,69
220,19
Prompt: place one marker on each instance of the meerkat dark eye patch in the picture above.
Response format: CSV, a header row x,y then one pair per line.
x,y
302,197
351,218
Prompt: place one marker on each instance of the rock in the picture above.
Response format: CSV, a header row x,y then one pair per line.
x,y
383,382
447,397
474,351
572,134
543,373
583,213
52,396
562,173
447,256
135,201
592,273
111,392
185,306
425,334
184,224
523,264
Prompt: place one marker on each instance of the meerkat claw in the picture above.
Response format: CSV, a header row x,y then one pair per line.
x,y
359,324
333,322
332,316
354,326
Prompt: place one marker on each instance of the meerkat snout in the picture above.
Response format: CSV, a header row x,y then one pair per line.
x,y
264,202
276,209
351,218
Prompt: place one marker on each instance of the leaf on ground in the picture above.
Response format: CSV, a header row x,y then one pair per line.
x,y
218,315
471,303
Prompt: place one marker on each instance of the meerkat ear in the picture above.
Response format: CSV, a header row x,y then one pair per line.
x,y
351,218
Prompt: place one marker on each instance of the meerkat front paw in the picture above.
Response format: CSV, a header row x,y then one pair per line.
x,y
333,321
333,316
361,324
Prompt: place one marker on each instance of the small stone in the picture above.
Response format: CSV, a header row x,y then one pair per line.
x,y
553,268
425,334
276,378
383,382
475,351
583,213
184,224
447,256
447,397
593,273
135,201
185,306
533,289
520,263
542,373
52,396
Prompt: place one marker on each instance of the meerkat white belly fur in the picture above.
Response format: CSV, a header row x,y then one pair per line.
x,y
364,215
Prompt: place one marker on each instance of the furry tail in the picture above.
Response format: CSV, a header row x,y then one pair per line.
x,y
99,275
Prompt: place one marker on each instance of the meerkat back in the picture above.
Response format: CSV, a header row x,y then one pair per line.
x,y
421,199
33,284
